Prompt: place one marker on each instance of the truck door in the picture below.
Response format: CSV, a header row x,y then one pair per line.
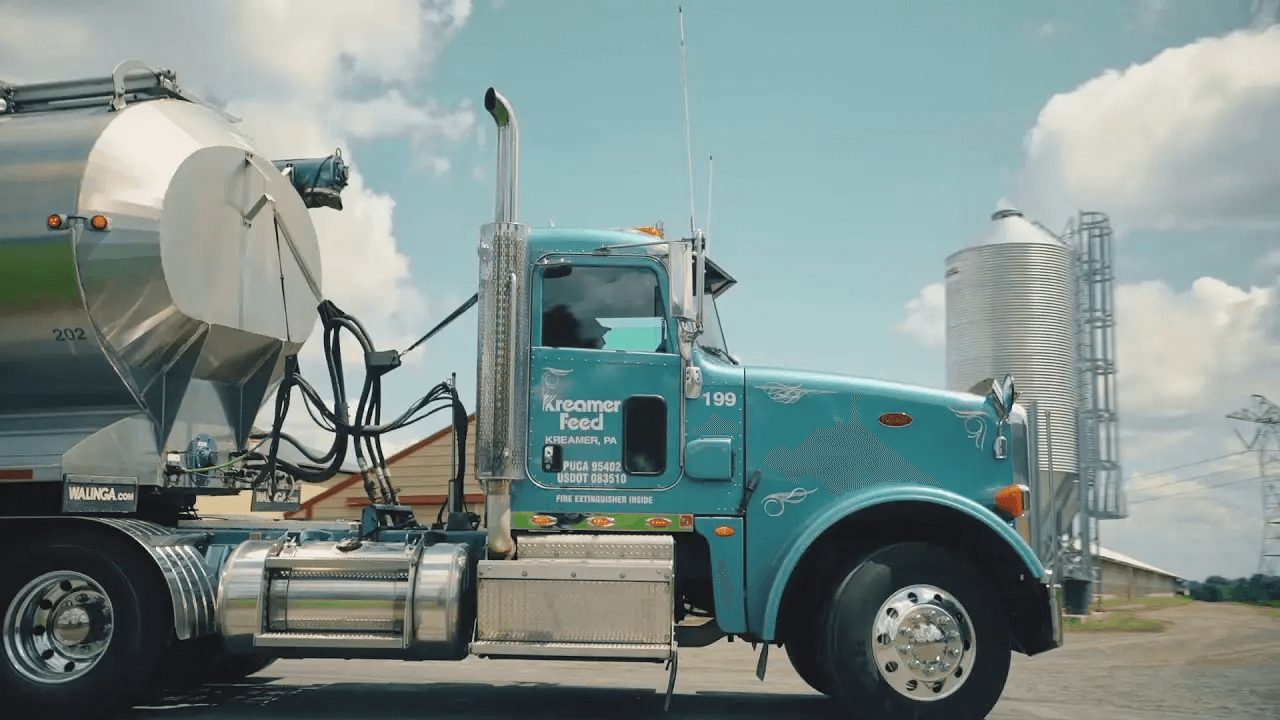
x,y
605,378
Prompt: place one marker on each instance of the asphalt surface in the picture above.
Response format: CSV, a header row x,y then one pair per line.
x,y
1215,661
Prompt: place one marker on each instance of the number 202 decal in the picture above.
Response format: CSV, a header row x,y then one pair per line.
x,y
720,399
68,334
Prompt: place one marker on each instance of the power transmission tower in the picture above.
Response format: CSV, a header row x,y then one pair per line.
x,y
1266,441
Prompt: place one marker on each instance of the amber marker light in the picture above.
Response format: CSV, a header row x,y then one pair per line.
x,y
98,222
1012,500
658,522
600,521
54,222
542,520
724,531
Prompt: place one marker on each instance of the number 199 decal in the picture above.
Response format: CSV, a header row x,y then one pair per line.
x,y
720,399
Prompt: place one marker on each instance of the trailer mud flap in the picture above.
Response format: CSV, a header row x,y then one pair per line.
x,y
93,494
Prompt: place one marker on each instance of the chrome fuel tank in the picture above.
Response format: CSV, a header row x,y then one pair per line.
x,y
119,344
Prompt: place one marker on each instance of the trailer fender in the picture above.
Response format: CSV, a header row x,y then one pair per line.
x,y
178,559
865,505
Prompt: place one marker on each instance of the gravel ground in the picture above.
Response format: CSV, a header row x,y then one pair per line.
x,y
1215,661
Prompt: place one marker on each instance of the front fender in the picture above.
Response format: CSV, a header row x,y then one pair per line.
x,y
778,573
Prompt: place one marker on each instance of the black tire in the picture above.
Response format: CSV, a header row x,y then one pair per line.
x,y
802,650
139,619
980,622
806,632
188,664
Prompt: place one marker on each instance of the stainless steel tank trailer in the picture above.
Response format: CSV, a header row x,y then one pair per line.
x,y
644,491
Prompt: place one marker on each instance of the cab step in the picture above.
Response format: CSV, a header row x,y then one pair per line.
x,y
655,652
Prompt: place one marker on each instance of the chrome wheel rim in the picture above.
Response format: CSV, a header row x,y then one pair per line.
x,y
58,627
923,643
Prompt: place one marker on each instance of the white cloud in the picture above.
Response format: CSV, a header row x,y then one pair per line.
x,y
926,317
1185,139
1184,350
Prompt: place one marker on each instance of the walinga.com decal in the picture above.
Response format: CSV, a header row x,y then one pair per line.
x,y
99,497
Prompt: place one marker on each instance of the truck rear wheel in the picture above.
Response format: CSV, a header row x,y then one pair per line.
x,y
914,632
190,663
83,626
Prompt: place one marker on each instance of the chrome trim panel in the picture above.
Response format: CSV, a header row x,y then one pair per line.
x,y
614,651
602,570
183,568
580,592
603,547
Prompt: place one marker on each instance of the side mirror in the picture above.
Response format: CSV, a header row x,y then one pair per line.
x,y
680,272
1003,395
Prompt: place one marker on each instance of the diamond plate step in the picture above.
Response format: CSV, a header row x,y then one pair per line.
x,y
612,651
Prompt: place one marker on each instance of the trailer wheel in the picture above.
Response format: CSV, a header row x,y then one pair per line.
x,y
83,626
914,632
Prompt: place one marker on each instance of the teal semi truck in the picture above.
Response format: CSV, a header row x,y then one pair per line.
x,y
644,491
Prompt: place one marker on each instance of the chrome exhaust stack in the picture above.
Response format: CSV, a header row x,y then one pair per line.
x,y
502,357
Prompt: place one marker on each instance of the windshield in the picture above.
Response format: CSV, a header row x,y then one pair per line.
x,y
712,337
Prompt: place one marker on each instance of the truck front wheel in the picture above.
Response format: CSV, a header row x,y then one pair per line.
x,y
82,626
915,632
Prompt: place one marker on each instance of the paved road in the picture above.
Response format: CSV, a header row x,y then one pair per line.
x,y
1216,661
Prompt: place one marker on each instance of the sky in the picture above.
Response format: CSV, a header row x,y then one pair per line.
x,y
856,145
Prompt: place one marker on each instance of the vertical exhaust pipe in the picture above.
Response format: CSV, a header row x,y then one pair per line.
x,y
507,206
502,357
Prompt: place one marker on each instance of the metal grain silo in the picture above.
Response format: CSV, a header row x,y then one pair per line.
x,y
1011,308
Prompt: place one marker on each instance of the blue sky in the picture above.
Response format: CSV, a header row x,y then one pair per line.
x,y
857,144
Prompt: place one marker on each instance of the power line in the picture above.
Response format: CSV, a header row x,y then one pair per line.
x,y
1186,465
1191,477
1195,490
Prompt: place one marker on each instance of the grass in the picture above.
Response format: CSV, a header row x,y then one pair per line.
x,y
1119,621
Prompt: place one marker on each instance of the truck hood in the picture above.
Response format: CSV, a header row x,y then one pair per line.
x,y
844,434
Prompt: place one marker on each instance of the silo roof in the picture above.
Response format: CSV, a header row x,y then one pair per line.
x,y
1011,226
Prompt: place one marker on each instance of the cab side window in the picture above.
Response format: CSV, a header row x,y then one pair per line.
x,y
603,308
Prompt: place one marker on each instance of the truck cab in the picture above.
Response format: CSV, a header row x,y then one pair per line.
x,y
792,497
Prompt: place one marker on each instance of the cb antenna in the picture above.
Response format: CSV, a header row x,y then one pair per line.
x,y
688,137
711,175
